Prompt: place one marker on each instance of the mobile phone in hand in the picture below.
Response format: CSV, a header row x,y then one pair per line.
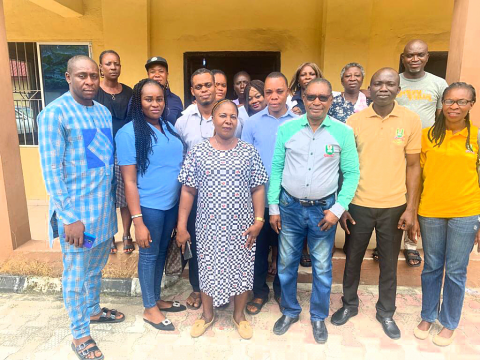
x,y
187,254
88,240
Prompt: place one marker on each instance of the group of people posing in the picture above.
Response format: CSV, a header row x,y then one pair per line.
x,y
400,157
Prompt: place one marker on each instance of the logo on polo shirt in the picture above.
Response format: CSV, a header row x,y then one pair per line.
x,y
399,136
329,150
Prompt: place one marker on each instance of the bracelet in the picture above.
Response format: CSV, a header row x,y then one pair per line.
x,y
136,216
258,218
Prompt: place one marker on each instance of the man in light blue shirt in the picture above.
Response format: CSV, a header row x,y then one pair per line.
x,y
261,130
76,153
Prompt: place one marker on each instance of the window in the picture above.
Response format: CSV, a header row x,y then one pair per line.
x,y
38,78
436,65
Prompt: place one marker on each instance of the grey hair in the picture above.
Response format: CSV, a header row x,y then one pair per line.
x,y
350,65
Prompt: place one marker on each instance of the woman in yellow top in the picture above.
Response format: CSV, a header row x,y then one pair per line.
x,y
449,211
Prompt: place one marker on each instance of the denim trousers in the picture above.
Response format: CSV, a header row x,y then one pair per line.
x,y
151,261
266,237
299,222
81,282
447,244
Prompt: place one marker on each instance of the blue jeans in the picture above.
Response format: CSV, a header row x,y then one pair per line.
x,y
299,222
447,244
151,261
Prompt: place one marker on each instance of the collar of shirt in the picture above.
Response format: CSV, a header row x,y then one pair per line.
x,y
463,133
371,113
265,112
326,122
195,111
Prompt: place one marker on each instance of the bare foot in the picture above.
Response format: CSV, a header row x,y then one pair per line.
x,y
194,301
251,308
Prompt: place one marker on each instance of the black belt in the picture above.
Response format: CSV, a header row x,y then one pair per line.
x,y
308,203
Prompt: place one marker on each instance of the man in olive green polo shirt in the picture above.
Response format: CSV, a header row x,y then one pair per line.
x,y
388,138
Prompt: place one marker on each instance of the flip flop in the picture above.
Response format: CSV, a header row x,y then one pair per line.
x,y
200,326
112,318
176,307
129,248
257,306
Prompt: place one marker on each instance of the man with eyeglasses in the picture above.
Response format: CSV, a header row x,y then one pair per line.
x,y
420,92
309,154
388,138
261,130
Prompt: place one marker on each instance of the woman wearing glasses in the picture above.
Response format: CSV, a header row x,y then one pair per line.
x,y
449,211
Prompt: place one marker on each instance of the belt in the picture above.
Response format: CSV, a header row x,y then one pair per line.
x,y
308,203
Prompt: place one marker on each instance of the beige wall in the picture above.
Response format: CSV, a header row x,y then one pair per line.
x,y
329,32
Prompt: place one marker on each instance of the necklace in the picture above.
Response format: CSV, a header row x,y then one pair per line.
x,y
216,142
113,96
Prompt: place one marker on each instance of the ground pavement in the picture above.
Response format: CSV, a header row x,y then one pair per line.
x,y
35,326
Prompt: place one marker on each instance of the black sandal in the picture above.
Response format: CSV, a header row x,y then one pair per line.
x,y
258,306
165,325
83,353
195,298
112,318
176,307
375,255
127,249
305,260
113,247
412,255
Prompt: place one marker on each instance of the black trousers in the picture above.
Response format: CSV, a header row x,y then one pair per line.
x,y
193,262
265,239
389,239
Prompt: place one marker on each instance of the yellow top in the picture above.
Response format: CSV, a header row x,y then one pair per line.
x,y
382,145
450,178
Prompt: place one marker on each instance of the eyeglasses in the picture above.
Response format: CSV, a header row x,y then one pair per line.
x,y
461,102
322,98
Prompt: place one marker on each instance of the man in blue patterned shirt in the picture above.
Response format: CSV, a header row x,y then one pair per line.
x,y
76,152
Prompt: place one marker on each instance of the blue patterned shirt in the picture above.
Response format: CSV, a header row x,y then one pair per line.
x,y
76,153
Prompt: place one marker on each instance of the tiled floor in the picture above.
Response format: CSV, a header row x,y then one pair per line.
x,y
36,327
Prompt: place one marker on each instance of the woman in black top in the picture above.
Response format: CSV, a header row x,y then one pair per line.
x,y
116,96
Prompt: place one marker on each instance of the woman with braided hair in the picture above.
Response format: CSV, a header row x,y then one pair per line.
x,y
449,210
150,155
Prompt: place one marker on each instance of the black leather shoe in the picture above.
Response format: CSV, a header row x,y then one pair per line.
x,y
283,324
320,332
389,326
342,315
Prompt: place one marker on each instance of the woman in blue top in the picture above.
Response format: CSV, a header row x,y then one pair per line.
x,y
150,155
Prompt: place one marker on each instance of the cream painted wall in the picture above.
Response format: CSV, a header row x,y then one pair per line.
x,y
32,174
250,25
329,32
374,32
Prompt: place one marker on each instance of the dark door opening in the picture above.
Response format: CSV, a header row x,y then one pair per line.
x,y
436,65
257,63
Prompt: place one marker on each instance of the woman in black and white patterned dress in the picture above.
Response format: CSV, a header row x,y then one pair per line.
x,y
229,177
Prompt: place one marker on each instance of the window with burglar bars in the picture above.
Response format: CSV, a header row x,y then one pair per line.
x,y
38,78
27,94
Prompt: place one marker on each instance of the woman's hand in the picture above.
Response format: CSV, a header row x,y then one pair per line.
x,y
477,241
142,235
182,237
252,233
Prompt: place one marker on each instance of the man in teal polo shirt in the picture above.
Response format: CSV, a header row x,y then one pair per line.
x,y
309,153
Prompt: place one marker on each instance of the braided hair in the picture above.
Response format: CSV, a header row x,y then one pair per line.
x,y
439,129
143,132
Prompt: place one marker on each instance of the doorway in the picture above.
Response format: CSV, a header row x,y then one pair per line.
x,y
257,63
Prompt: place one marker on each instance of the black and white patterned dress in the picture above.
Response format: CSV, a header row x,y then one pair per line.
x,y
223,179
